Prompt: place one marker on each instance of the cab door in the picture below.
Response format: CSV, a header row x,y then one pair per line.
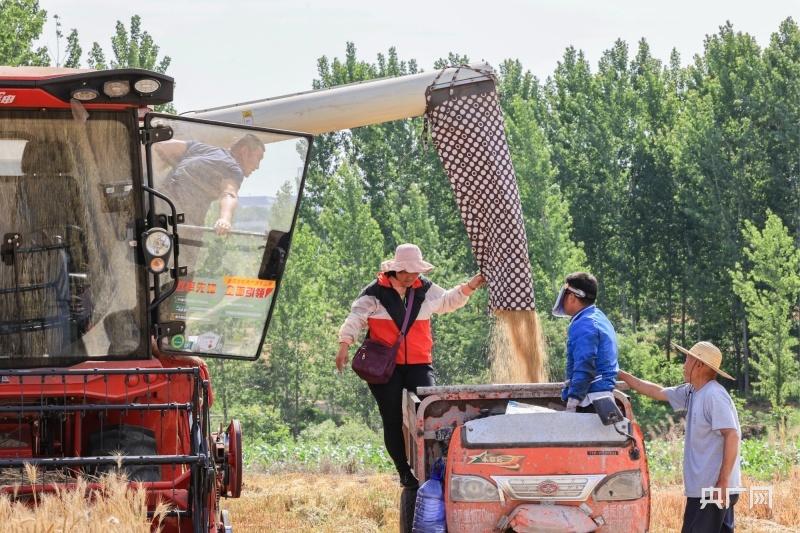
x,y
235,191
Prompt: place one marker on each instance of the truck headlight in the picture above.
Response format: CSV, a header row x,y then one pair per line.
x,y
621,486
473,489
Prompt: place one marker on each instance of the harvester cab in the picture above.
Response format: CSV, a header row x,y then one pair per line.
x,y
121,262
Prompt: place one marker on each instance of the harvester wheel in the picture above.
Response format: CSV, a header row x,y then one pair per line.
x,y
126,440
233,485
408,500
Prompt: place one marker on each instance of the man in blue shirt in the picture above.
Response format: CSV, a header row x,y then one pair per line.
x,y
591,344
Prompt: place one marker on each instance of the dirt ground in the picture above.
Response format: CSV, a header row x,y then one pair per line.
x,y
362,504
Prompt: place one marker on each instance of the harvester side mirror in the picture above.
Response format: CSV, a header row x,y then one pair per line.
x,y
273,260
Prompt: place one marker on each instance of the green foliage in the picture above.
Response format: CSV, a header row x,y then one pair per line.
x,y
762,459
769,288
641,355
351,432
132,48
351,447
73,51
665,459
262,423
640,171
355,458
766,460
21,23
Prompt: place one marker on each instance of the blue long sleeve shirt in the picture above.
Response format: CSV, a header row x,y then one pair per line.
x,y
591,354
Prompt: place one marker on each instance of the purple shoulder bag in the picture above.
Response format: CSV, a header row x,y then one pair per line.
x,y
374,361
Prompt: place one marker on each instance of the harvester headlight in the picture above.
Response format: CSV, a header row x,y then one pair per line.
x,y
116,88
621,486
473,489
146,86
158,243
157,247
85,94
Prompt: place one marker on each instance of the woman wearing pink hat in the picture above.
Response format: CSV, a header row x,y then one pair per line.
x,y
381,309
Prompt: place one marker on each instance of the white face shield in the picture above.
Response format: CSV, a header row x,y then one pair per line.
x,y
558,308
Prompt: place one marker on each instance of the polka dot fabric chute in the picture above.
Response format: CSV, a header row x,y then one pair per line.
x,y
469,137
468,132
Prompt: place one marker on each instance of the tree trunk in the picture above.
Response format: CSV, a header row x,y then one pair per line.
x,y
668,343
745,359
683,311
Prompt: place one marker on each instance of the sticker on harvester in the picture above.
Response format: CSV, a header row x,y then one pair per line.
x,y
221,314
247,118
511,462
248,287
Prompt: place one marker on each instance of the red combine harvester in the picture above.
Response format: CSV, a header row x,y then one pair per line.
x,y
105,311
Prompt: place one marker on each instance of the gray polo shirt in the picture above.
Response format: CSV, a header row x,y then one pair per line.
x,y
709,410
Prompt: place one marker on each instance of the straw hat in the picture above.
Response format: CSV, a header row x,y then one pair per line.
x,y
407,257
708,354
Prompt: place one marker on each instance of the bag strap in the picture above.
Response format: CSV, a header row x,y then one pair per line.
x,y
409,305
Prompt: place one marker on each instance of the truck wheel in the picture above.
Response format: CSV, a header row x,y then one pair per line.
x,y
126,440
408,500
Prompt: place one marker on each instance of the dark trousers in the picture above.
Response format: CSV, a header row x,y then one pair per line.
x,y
390,403
712,519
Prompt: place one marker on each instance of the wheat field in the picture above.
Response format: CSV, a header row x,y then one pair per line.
x,y
328,503
363,504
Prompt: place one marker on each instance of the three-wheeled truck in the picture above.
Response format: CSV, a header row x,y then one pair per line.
x,y
516,461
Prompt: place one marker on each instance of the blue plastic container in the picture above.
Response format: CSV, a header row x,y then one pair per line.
x,y
429,516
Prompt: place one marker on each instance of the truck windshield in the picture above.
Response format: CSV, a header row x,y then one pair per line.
x,y
68,274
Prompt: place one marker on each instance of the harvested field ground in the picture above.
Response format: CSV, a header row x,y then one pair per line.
x,y
358,503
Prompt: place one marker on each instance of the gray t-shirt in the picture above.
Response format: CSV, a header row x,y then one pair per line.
x,y
199,179
709,410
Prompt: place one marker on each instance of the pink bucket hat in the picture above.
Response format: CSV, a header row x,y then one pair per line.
x,y
407,257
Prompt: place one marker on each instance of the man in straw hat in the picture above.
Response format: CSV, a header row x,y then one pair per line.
x,y
711,447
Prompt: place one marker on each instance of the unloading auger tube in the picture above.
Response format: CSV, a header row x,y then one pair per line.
x,y
348,106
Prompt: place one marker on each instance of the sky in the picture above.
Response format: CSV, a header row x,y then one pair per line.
x,y
225,52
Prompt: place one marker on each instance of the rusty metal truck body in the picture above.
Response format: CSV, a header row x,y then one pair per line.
x,y
539,469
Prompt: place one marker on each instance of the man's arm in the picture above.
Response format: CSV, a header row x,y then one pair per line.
x,y
730,449
644,387
227,205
